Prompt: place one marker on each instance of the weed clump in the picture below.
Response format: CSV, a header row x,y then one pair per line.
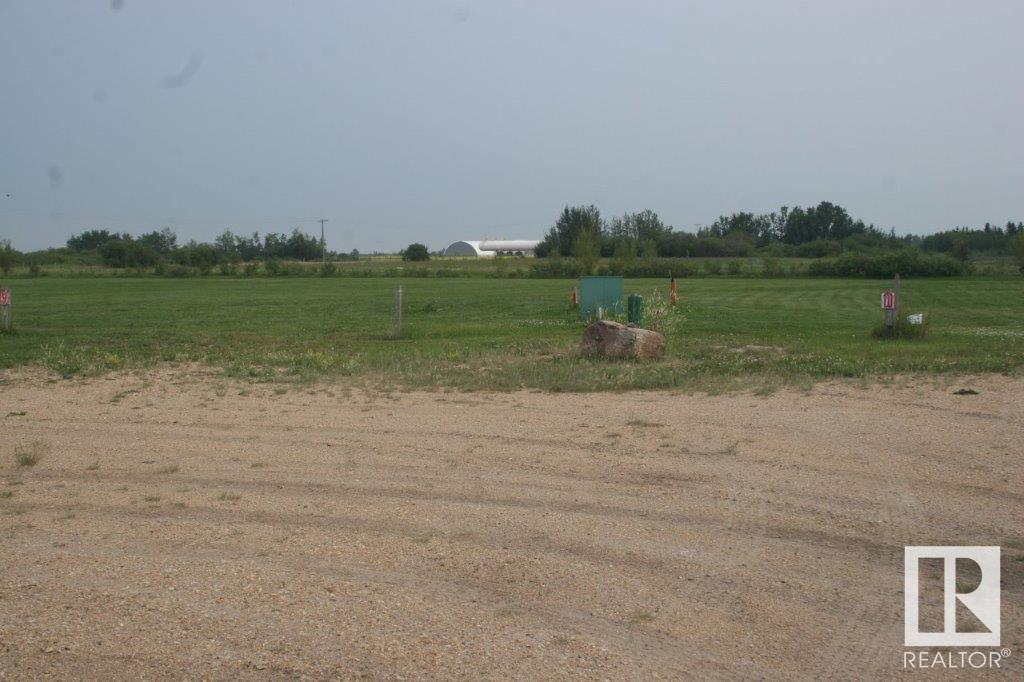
x,y
641,616
642,423
901,329
28,455
69,361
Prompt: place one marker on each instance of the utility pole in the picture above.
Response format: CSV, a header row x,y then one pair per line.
x,y
323,242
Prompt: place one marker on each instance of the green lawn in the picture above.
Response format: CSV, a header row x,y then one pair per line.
x,y
490,333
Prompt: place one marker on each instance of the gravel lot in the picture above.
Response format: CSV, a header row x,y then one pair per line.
x,y
176,525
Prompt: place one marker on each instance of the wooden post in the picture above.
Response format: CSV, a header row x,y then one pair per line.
x,y
5,309
896,288
398,312
892,315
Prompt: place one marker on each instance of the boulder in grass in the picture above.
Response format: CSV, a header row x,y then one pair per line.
x,y
607,339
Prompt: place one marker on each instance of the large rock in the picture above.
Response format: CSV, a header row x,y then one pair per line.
x,y
608,339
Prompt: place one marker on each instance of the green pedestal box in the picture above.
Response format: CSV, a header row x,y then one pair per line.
x,y
600,292
635,310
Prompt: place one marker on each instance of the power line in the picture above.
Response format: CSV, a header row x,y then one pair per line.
x,y
166,220
247,222
323,242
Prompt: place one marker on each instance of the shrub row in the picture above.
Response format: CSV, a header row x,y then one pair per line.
x,y
906,263
881,266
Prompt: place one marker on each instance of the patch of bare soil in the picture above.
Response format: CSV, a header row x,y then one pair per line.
x,y
176,527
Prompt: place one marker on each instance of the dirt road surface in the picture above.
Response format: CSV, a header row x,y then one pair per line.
x,y
177,526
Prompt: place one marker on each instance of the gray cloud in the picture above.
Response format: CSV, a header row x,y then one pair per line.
x,y
441,121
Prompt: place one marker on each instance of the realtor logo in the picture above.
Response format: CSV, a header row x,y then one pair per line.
x,y
983,601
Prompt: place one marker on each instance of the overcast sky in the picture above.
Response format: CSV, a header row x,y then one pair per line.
x,y
438,121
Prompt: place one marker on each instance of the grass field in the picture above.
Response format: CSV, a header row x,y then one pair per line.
x,y
506,334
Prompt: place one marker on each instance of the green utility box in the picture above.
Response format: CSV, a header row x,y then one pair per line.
x,y
635,310
600,292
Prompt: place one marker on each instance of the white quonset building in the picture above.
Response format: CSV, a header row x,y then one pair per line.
x,y
488,248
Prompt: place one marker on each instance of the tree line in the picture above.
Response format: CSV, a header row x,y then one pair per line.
x,y
161,246
826,230
820,231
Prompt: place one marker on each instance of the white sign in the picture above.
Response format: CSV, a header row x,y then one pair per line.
x,y
916,318
983,601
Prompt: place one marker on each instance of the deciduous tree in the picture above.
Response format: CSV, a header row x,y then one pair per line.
x,y
8,256
416,252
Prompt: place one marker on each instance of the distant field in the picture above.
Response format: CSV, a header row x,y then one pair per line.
x,y
505,334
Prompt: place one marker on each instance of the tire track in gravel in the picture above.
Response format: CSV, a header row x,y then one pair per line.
x,y
730,537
